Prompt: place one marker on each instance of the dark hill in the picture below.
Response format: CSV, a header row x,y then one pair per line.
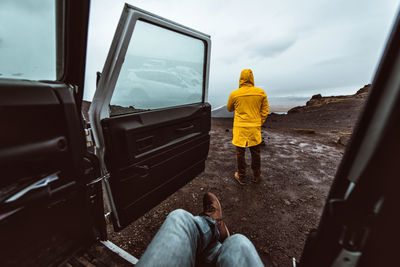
x,y
332,113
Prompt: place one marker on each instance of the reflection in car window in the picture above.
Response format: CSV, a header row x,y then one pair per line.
x,y
158,76
27,39
162,68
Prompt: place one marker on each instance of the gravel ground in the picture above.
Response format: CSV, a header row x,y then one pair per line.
x,y
298,168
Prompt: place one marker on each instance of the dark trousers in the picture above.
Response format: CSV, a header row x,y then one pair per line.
x,y
255,160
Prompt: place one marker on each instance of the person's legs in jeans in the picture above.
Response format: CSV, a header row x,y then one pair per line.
x,y
184,239
237,250
181,240
256,162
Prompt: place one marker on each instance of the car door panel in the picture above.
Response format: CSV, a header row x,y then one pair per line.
x,y
44,207
43,132
56,228
141,132
42,218
151,152
359,224
23,140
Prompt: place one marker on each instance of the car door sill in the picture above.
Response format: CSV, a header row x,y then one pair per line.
x,y
122,253
101,253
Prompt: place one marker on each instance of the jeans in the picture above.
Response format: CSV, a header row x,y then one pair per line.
x,y
187,240
255,160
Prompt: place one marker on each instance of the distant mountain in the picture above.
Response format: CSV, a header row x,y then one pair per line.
x,y
221,112
276,104
322,101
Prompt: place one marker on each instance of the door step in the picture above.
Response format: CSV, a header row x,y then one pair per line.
x,y
102,253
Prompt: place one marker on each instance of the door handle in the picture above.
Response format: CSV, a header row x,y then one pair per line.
x,y
143,170
35,192
43,183
185,129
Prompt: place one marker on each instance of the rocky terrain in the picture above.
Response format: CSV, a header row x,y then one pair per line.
x,y
299,160
333,116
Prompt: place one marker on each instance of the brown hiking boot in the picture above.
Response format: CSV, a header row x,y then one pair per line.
x,y
256,179
239,179
212,208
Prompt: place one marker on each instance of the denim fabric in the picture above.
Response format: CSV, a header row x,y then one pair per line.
x,y
184,240
237,250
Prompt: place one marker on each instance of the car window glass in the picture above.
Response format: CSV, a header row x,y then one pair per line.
x,y
162,68
27,39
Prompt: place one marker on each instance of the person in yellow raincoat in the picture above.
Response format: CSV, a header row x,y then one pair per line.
x,y
251,110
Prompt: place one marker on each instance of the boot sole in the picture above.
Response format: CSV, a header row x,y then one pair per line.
x,y
239,182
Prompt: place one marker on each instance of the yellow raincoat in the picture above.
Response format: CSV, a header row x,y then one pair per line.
x,y
251,110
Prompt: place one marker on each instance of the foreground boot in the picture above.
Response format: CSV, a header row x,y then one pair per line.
x,y
212,208
239,179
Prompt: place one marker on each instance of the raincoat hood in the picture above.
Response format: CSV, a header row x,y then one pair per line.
x,y
246,78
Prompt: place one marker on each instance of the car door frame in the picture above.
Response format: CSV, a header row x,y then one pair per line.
x,y
360,196
99,108
46,204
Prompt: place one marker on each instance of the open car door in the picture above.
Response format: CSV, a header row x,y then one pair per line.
x,y
360,222
149,114
43,213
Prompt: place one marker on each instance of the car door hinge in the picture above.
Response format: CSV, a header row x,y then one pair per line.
x,y
355,233
74,88
347,258
89,139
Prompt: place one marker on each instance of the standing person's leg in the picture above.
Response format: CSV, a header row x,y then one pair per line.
x,y
240,165
238,250
256,163
181,240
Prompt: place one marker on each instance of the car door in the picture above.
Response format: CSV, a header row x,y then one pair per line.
x,y
360,222
150,126
44,215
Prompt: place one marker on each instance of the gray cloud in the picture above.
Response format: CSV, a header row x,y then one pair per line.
x,y
329,61
295,48
269,49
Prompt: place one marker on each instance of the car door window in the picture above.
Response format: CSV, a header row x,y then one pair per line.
x,y
28,40
162,68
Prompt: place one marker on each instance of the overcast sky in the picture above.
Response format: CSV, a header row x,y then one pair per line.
x,y
295,48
